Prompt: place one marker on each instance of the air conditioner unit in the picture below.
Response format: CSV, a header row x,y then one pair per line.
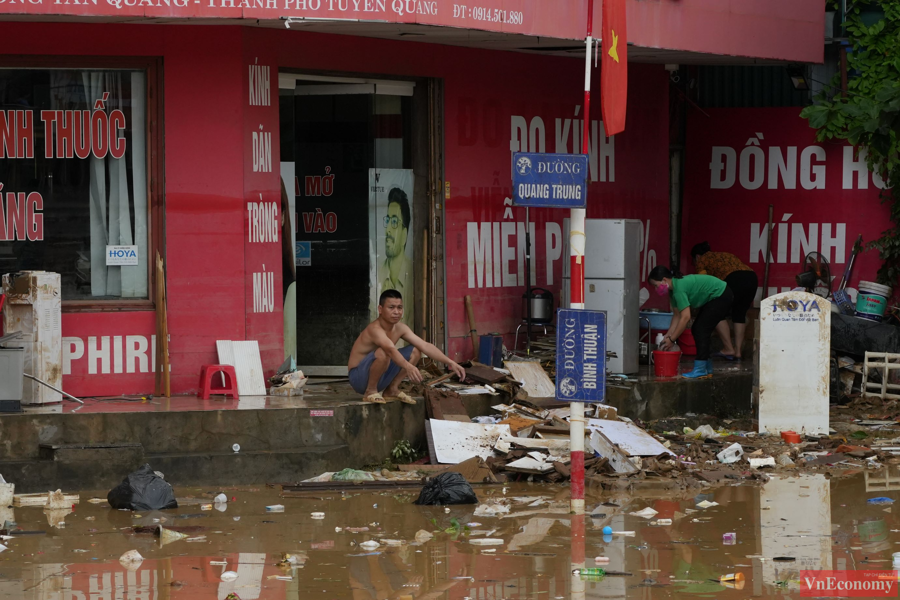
x,y
34,308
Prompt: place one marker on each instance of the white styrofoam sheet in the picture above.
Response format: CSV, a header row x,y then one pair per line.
x,y
794,363
244,357
630,438
455,442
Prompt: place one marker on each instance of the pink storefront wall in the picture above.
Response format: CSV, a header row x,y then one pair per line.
x,y
494,103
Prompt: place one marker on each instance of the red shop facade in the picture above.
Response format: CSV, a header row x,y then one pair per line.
x,y
312,166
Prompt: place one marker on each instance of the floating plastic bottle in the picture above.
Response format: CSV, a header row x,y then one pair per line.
x,y
590,572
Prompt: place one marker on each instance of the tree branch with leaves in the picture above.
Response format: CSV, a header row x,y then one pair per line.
x,y
867,113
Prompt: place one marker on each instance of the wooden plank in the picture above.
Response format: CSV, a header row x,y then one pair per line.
x,y
440,379
41,499
517,423
422,468
537,384
483,374
452,405
444,405
164,341
432,406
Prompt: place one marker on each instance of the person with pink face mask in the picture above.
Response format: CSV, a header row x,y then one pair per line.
x,y
709,296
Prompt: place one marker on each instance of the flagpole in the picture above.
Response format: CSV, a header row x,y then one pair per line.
x,y
576,300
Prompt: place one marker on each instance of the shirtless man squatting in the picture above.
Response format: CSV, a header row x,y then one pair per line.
x,y
376,365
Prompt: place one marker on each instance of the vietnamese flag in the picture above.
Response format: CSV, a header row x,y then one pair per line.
x,y
614,67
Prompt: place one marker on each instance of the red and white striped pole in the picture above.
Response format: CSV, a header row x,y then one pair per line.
x,y
576,300
576,270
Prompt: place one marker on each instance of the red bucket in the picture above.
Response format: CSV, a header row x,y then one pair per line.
x,y
665,364
687,343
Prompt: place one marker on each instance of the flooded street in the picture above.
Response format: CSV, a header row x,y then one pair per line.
x,y
806,521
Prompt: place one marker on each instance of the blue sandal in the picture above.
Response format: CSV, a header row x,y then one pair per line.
x,y
725,356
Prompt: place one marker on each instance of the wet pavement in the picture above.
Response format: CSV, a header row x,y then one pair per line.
x,y
813,520
331,393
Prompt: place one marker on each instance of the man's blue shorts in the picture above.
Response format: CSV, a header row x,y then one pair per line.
x,y
359,375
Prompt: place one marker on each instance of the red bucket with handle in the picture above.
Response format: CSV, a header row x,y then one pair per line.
x,y
665,363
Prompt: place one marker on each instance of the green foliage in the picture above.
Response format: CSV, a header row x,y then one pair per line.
x,y
403,452
869,116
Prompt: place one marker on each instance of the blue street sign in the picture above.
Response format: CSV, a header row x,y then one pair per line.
x,y
580,355
550,180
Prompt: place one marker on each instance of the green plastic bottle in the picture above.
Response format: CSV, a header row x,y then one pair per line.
x,y
594,572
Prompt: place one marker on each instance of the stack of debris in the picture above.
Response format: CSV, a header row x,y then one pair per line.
x,y
480,380
288,380
522,440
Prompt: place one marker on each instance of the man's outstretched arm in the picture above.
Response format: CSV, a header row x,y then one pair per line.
x,y
432,352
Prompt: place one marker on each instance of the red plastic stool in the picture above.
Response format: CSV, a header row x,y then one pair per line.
x,y
207,372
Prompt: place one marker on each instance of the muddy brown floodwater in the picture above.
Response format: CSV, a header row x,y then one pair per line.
x,y
817,522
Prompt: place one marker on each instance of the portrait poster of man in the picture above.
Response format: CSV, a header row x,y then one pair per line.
x,y
391,237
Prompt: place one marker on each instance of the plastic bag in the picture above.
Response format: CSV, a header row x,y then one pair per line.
x,y
142,490
703,432
352,475
447,488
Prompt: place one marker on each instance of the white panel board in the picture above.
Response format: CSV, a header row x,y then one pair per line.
x,y
537,383
630,438
455,441
244,357
794,359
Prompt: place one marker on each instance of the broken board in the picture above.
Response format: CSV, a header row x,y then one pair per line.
x,y
484,374
620,461
456,442
41,499
630,438
244,357
517,423
445,405
536,382
535,465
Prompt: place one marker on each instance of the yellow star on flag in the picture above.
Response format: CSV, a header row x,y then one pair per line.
x,y
612,48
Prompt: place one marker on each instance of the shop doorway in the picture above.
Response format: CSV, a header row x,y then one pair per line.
x,y
359,176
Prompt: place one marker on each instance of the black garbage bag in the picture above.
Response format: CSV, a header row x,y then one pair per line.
x,y
447,488
142,490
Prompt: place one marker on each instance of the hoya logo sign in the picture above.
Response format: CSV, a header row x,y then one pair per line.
x,y
121,256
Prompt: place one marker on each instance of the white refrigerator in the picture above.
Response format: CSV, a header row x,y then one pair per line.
x,y
612,284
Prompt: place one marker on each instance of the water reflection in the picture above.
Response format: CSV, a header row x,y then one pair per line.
x,y
794,522
811,520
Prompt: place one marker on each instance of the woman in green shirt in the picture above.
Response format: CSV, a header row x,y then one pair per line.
x,y
708,295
